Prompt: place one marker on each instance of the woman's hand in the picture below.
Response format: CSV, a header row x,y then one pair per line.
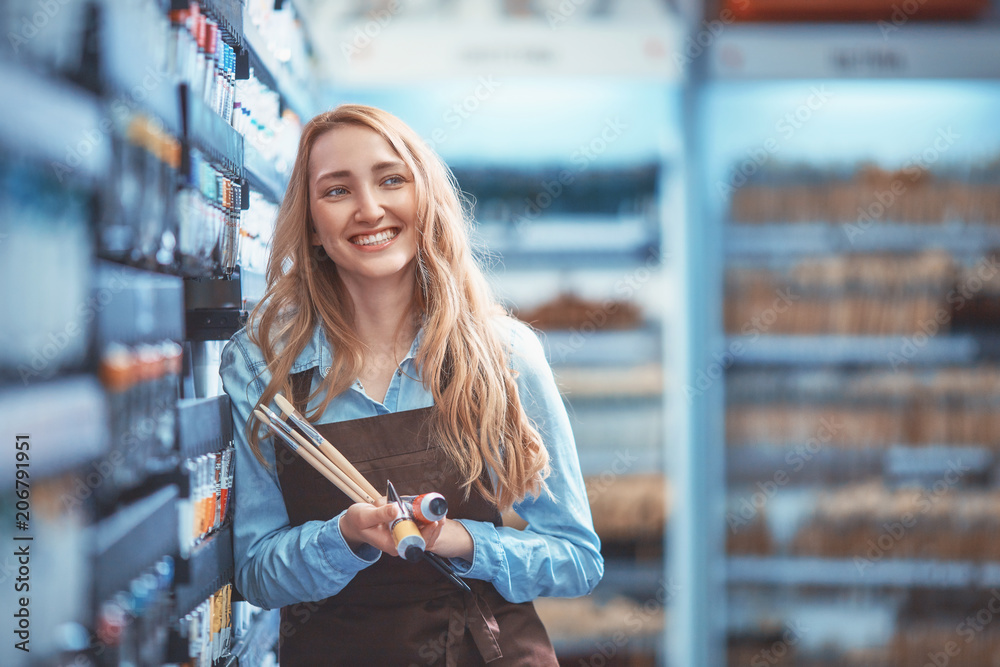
x,y
448,538
366,523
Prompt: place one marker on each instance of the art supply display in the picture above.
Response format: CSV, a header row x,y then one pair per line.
x,y
210,479
141,384
131,627
208,629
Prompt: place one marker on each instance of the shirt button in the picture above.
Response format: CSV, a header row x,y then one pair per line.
x,y
326,371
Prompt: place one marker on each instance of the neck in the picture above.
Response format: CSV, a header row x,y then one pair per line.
x,y
383,311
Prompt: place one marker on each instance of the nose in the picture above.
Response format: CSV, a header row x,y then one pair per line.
x,y
369,208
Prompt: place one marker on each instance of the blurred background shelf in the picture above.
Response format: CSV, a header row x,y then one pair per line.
x,y
885,573
771,240
79,436
55,122
557,242
296,94
262,174
134,539
819,350
588,347
823,463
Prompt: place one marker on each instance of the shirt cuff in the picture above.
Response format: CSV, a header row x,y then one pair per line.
x,y
487,552
338,552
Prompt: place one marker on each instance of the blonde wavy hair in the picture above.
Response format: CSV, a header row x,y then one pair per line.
x,y
462,360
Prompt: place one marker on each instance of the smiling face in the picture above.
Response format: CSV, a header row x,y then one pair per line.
x,y
363,204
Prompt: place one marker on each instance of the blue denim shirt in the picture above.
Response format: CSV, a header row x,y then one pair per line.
x,y
558,554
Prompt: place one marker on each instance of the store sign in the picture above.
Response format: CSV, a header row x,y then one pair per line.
x,y
406,51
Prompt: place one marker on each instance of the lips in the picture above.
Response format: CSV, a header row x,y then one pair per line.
x,y
375,239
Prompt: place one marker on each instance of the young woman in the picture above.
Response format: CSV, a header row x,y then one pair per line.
x,y
379,325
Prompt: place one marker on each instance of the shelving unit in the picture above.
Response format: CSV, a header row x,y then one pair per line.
x,y
780,240
886,573
113,447
748,79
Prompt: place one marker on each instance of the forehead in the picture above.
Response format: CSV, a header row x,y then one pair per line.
x,y
349,147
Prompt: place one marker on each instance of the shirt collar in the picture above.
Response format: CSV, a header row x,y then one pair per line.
x,y
317,354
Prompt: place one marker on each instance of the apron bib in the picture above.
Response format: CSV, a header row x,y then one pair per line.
x,y
397,613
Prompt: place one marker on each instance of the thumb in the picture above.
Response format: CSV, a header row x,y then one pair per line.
x,y
388,512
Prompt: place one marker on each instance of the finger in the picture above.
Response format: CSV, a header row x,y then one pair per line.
x,y
370,517
431,532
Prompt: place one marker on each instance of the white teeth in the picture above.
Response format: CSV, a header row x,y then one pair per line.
x,y
375,239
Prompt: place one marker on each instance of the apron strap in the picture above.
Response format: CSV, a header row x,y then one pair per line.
x,y
476,615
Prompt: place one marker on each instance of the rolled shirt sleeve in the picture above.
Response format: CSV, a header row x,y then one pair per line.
x,y
558,553
276,565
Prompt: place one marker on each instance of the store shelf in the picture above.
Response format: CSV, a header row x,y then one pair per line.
x,y
207,569
632,578
262,175
632,382
138,306
210,133
258,641
780,240
885,573
55,123
568,241
133,539
132,75
859,50
275,74
229,14
205,425
66,419
886,351
625,347
832,464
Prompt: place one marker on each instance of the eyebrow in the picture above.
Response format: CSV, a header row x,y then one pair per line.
x,y
378,166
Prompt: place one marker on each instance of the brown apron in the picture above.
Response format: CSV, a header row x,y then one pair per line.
x,y
397,613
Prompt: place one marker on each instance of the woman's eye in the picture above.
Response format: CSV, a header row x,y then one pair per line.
x,y
336,192
394,180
